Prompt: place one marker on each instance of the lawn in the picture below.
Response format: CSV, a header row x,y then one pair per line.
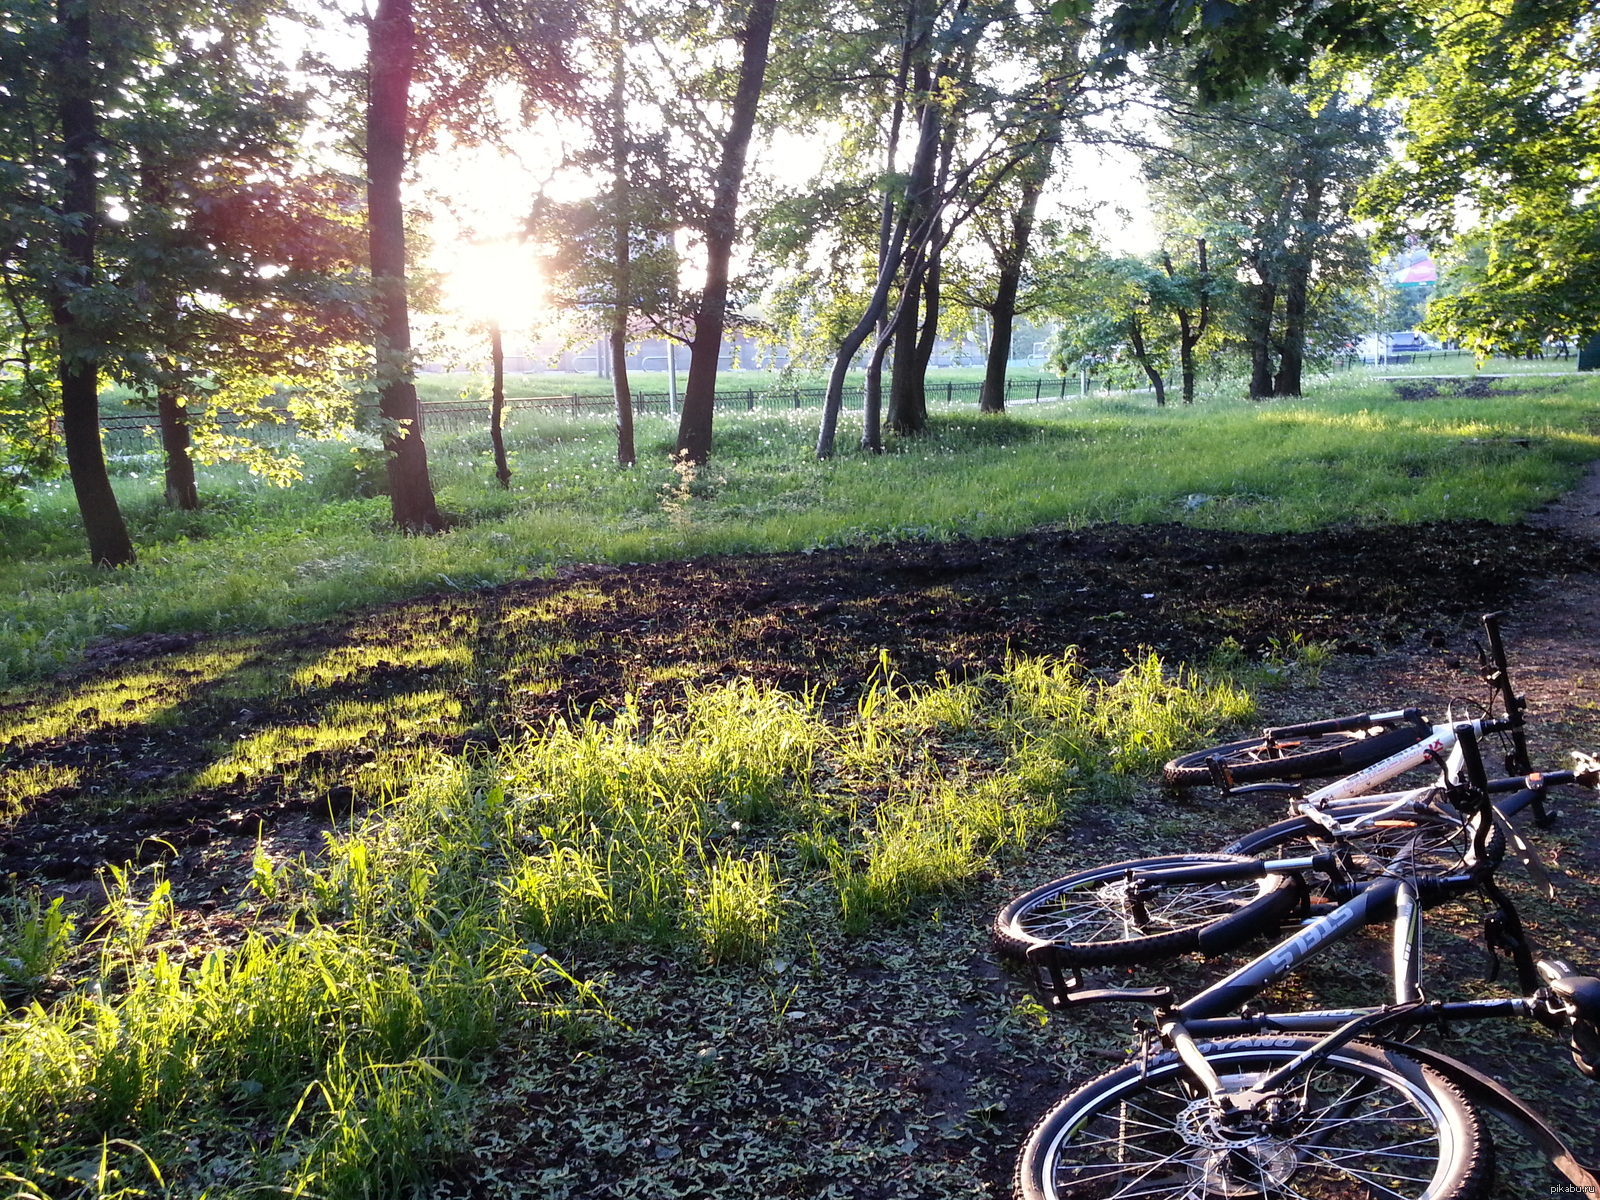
x,y
259,557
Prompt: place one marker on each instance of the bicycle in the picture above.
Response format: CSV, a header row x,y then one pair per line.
x,y
1269,1111
1369,747
1215,913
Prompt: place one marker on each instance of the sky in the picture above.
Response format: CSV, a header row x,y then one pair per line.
x,y
478,197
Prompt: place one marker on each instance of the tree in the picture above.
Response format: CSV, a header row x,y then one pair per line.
x,y
1117,313
1231,48
391,53
471,49
1188,294
1502,122
719,228
974,127
1272,177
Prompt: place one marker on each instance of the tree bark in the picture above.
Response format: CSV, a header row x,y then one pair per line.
x,y
1003,315
872,405
1297,288
834,397
497,405
1260,335
929,335
904,416
174,418
1192,326
621,279
700,394
79,372
391,47
1136,340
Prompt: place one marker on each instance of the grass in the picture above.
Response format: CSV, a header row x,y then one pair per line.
x,y
258,557
333,1050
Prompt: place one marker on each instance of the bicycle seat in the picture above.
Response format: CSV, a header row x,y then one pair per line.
x,y
1581,993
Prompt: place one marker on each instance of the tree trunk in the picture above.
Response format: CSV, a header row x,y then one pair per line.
x,y
834,397
929,335
1136,340
621,279
908,412
1003,315
1297,287
872,405
904,416
699,396
1191,326
497,405
619,389
391,50
174,418
79,372
1260,335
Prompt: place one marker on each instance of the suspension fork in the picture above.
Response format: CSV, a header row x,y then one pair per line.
x,y
1499,678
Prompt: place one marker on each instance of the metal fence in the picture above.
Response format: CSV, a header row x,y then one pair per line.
x,y
130,432
443,413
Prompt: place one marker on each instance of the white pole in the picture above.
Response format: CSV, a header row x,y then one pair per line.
x,y
672,377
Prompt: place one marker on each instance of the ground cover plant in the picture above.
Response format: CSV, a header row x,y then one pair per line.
x,y
257,557
376,920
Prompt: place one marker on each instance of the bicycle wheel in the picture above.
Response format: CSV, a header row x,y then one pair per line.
x,y
1417,845
1363,1122
1252,760
1095,914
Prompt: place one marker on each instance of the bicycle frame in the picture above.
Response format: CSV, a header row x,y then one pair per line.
x,y
1441,741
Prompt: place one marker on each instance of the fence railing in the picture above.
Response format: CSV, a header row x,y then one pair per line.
x,y
126,430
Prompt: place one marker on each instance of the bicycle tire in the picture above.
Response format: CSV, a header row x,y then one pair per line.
x,y
1369,1119
1322,755
1221,916
1404,838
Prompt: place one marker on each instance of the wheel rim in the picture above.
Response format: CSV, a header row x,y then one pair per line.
x,y
1361,1130
1100,909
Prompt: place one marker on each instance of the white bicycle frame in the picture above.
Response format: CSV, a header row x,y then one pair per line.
x,y
1442,740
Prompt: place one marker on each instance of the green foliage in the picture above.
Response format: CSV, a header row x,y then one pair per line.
x,y
35,939
1501,122
1269,179
1235,46
223,270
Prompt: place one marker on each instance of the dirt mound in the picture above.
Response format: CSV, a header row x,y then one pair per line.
x,y
1432,389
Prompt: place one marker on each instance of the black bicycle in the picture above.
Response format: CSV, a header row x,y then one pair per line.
x,y
1323,1103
